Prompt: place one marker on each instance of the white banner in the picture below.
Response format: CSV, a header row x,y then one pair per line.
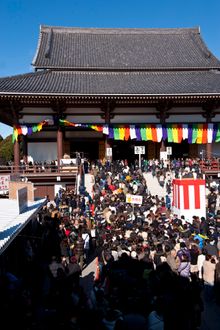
x,y
163,155
169,151
109,152
139,150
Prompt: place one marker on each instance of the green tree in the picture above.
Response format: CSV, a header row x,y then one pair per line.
x,y
6,149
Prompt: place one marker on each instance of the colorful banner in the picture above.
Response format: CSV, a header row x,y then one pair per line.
x,y
194,133
27,130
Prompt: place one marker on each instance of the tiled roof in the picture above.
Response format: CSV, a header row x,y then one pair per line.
x,y
122,49
11,223
112,83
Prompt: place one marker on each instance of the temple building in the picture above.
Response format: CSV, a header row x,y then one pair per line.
x,y
105,91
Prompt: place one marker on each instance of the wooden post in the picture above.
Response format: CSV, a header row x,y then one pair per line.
x,y
59,147
209,150
25,149
16,156
162,146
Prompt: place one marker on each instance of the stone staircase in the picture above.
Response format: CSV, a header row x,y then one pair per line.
x,y
153,185
89,181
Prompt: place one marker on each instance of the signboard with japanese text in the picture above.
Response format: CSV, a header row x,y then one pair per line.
x,y
139,150
163,155
109,152
169,151
134,199
4,183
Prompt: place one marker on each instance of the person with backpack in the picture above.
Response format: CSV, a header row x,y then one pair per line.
x,y
184,258
184,266
183,251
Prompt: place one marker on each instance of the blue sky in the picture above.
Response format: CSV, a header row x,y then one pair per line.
x,y
20,21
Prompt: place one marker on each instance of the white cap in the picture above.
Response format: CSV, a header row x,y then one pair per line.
x,y
133,254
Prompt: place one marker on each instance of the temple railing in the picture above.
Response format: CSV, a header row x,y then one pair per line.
x,y
210,165
39,169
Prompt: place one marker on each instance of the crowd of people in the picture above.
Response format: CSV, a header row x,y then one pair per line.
x,y
152,267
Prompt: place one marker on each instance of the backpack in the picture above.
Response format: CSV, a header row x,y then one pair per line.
x,y
184,255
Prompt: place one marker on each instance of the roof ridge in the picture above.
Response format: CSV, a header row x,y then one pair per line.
x,y
94,30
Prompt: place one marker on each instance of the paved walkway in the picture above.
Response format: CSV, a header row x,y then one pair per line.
x,y
88,275
210,316
153,185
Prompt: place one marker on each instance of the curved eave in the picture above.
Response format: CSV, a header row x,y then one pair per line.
x,y
117,97
38,47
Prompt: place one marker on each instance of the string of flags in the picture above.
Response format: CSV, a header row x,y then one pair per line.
x,y
194,133
28,130
176,133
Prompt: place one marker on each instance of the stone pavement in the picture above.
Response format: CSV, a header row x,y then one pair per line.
x,y
153,185
87,278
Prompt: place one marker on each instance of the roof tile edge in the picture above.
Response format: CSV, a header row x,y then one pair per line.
x,y
60,29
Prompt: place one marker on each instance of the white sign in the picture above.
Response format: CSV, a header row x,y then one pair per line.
x,y
134,199
163,155
139,150
169,150
109,152
4,183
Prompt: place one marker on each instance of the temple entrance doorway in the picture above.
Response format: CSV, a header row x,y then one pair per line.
x,y
89,148
179,150
125,150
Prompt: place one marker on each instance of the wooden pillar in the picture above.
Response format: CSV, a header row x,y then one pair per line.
x,y
25,149
59,147
193,150
16,156
101,150
162,146
209,150
151,149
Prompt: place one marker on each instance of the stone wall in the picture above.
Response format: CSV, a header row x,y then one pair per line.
x,y
16,185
